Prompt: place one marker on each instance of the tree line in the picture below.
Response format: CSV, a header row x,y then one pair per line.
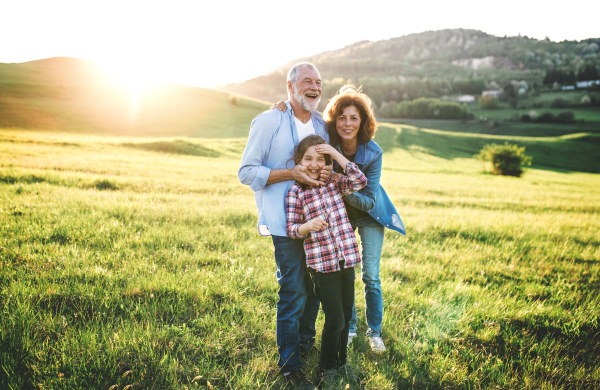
x,y
587,72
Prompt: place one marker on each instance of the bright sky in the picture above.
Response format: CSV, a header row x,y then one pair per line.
x,y
204,43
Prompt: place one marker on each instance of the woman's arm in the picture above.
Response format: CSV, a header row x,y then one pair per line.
x,y
365,198
353,181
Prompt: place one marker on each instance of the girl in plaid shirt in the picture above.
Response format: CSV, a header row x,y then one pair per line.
x,y
318,215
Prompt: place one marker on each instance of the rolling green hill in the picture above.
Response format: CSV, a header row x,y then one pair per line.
x,y
70,94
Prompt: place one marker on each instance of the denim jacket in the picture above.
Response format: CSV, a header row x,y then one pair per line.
x,y
372,198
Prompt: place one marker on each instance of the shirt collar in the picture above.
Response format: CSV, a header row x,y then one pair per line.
x,y
361,150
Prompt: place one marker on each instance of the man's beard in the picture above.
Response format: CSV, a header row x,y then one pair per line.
x,y
302,100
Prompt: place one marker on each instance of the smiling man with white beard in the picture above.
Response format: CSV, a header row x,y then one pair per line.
x,y
265,168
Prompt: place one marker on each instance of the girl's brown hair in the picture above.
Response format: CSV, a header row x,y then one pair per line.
x,y
311,140
350,95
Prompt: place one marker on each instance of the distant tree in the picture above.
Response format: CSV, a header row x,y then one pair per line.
x,y
388,109
587,72
488,102
546,117
566,117
428,108
559,103
510,95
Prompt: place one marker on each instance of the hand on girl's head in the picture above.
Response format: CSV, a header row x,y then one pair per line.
x,y
324,148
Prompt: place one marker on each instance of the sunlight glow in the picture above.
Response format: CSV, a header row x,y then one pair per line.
x,y
205,43
136,78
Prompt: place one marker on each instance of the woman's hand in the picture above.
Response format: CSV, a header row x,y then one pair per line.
x,y
314,225
280,105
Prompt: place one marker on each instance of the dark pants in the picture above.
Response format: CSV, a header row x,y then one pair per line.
x,y
335,290
293,327
309,317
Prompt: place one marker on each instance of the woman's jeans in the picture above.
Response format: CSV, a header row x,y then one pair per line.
x,y
335,290
371,235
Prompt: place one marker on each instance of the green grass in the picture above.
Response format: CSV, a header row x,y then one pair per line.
x,y
127,261
588,114
493,127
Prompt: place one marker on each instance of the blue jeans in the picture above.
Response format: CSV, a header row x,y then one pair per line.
x,y
336,293
371,235
293,280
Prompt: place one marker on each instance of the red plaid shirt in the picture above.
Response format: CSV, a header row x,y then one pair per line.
x,y
335,242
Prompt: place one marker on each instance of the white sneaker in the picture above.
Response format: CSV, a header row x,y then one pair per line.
x,y
350,335
377,345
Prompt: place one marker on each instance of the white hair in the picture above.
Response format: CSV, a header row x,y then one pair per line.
x,y
293,73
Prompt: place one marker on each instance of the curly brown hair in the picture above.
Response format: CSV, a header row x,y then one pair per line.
x,y
350,95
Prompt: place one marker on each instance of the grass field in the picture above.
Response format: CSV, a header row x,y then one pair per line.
x,y
130,263
588,114
512,128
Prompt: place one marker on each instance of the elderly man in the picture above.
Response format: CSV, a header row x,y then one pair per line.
x,y
267,169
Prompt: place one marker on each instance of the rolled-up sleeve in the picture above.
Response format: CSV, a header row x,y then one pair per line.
x,y
252,170
294,213
365,198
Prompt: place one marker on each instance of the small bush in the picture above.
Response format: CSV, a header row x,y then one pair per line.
x,y
547,117
507,159
559,103
525,118
429,108
488,102
566,116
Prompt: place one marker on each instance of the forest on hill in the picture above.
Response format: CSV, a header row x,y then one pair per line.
x,y
440,64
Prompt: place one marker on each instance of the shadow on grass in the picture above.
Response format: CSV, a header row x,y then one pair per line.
x,y
175,147
574,152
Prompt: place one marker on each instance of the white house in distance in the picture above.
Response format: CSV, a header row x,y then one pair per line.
x,y
491,92
466,99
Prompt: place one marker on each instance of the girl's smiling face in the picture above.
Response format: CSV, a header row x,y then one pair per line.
x,y
313,161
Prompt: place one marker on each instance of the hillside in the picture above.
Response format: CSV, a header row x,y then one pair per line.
x,y
433,64
70,94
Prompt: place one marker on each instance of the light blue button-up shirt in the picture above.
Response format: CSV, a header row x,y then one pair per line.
x,y
273,137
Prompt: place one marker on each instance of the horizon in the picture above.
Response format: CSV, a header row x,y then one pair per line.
x,y
145,43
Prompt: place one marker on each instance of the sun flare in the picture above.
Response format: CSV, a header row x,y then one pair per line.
x,y
136,77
